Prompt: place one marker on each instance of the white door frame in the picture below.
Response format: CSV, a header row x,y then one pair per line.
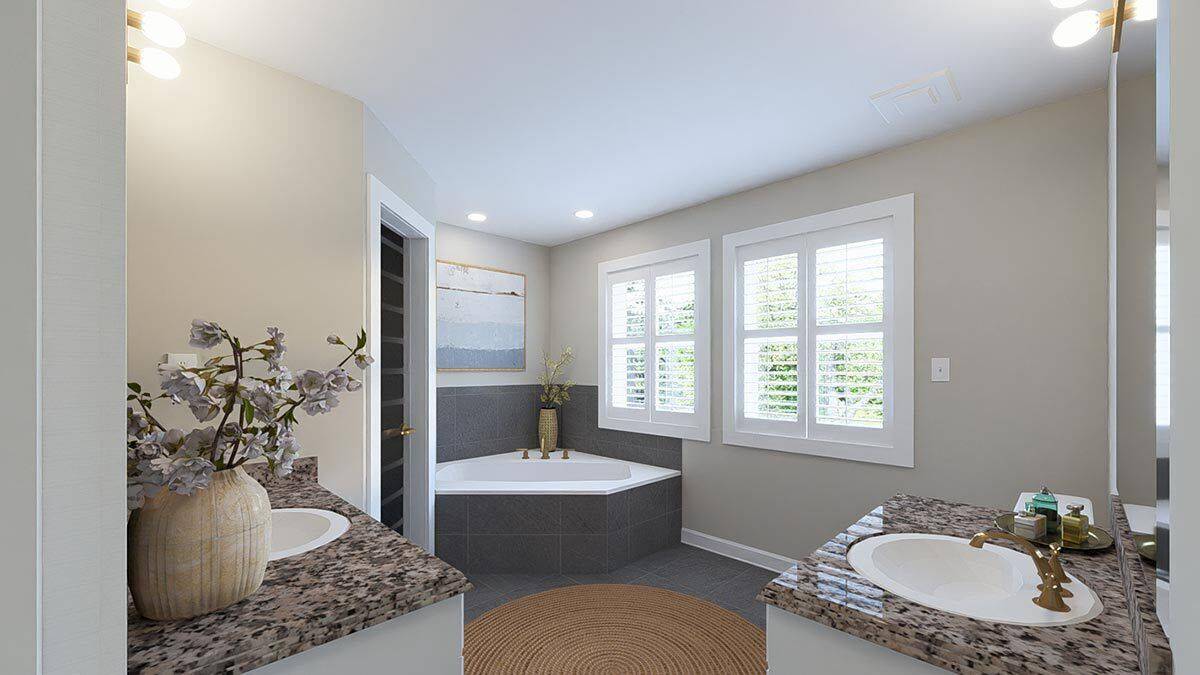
x,y
421,375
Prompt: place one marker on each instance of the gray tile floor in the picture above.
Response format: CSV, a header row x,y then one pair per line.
x,y
685,569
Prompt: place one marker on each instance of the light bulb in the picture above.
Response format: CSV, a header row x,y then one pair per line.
x,y
159,63
163,30
1145,10
1077,29
1067,4
584,214
176,4
476,217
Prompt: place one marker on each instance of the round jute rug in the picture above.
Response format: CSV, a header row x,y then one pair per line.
x,y
610,629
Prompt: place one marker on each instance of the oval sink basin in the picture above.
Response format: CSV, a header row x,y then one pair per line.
x,y
993,583
296,531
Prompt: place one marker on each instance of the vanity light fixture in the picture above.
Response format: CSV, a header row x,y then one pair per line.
x,y
160,28
154,61
476,217
1083,26
583,214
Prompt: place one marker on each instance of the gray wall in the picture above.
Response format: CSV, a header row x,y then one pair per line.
x,y
19,341
1185,332
1010,253
388,160
1137,176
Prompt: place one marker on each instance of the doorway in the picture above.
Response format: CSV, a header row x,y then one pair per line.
x,y
399,462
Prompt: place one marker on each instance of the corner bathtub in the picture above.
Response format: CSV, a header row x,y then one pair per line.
x,y
586,514
508,474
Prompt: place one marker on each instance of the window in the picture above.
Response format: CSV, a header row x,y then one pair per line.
x,y
818,338
654,342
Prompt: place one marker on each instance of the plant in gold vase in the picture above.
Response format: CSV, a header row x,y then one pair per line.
x,y
200,526
554,394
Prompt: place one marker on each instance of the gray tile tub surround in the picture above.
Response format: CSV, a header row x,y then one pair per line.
x,y
480,421
542,534
579,430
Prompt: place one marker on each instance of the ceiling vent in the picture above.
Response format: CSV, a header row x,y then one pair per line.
x,y
920,96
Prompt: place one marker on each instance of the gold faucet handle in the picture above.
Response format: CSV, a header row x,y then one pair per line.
x,y
566,453
524,453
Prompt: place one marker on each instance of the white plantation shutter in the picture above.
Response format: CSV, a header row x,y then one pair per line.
x,y
818,310
654,342
847,323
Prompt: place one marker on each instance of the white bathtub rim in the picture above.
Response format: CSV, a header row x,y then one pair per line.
x,y
642,474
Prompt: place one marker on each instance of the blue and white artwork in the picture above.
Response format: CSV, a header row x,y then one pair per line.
x,y
480,318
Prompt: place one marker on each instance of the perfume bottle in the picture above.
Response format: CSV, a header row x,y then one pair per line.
x,y
1029,525
1046,504
1075,525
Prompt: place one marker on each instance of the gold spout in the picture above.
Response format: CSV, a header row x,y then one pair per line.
x,y
1048,568
546,448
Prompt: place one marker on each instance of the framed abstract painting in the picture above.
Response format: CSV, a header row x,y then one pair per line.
x,y
480,318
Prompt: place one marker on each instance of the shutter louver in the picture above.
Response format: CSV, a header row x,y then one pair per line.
x,y
771,384
769,292
675,377
629,376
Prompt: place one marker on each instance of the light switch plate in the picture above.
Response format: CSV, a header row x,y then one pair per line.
x,y
180,360
940,369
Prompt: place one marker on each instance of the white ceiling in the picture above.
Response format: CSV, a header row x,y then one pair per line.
x,y
528,110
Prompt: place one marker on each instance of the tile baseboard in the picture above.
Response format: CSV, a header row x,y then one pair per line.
x,y
736,551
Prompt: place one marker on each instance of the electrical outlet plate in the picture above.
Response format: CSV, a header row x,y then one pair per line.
x,y
940,369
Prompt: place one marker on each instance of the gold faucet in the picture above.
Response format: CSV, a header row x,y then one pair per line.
x,y
546,447
1048,568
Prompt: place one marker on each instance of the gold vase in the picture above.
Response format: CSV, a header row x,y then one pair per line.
x,y
191,555
548,427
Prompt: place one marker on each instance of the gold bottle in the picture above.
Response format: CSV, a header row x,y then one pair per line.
x,y
1075,525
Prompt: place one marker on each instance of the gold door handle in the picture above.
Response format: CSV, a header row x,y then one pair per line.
x,y
404,430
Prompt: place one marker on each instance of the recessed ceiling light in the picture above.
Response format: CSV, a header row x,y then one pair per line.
x,y
476,217
584,213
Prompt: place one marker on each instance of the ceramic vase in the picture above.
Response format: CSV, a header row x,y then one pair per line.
x,y
194,554
548,427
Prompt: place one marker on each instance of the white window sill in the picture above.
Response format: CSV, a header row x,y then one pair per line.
x,y
655,429
891,455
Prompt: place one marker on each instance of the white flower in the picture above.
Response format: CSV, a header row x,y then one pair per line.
x,y
276,348
353,385
254,445
180,383
204,408
320,403
311,382
363,360
205,334
135,423
337,379
333,339
184,473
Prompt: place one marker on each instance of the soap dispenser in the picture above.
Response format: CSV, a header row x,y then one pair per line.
x,y
1046,504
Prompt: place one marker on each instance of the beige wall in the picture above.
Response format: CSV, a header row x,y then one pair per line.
x,y
247,202
1185,334
477,248
1010,259
1137,175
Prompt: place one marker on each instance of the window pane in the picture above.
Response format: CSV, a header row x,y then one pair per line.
x,y
849,380
629,376
770,379
849,283
675,373
675,303
629,309
769,292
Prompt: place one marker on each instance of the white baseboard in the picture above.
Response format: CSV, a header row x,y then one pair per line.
x,y
732,549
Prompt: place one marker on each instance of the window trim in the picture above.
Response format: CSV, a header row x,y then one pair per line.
x,y
897,450
694,426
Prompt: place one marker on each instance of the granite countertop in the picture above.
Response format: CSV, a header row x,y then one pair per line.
x,y
368,575
824,588
1140,578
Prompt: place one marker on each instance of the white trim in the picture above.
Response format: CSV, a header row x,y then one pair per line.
x,y
898,449
736,551
1112,274
419,460
694,426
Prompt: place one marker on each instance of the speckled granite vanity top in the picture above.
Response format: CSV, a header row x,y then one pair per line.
x,y
365,577
824,588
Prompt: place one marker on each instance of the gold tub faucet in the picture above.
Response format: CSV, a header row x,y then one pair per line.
x,y
1048,568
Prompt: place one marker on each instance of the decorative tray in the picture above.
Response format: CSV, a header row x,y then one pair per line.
x,y
1098,538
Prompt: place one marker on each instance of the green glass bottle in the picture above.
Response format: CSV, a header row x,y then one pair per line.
x,y
1046,504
